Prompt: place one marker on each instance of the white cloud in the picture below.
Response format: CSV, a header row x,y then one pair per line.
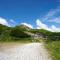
x,y
9,23
56,20
12,21
52,14
41,25
54,28
29,25
3,21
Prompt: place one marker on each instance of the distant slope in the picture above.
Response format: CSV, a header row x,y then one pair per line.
x,y
52,36
22,31
13,33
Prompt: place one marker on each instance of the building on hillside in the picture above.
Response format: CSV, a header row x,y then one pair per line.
x,y
38,35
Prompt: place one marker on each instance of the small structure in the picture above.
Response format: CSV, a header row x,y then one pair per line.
x,y
38,36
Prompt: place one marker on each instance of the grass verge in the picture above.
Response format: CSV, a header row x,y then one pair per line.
x,y
54,49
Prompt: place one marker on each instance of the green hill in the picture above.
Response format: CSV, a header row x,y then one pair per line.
x,y
13,33
22,31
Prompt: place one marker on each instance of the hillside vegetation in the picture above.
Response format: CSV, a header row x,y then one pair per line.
x,y
51,36
13,33
53,49
21,32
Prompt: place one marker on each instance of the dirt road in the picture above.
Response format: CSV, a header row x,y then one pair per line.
x,y
31,51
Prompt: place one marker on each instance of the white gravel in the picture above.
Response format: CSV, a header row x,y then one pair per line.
x,y
32,51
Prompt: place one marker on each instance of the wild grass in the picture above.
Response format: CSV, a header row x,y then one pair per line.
x,y
54,49
22,40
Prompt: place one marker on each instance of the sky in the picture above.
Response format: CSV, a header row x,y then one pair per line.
x,y
36,14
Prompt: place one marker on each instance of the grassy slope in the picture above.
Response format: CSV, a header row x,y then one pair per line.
x,y
54,49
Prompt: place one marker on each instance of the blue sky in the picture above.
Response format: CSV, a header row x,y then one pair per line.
x,y
33,13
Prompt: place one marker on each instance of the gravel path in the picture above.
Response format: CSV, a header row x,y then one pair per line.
x,y
32,51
